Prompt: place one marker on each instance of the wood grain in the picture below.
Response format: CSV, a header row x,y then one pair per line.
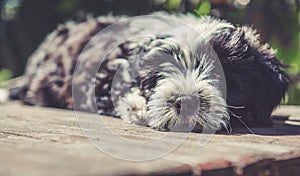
x,y
44,141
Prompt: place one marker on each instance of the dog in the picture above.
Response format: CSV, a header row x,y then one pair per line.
x,y
181,73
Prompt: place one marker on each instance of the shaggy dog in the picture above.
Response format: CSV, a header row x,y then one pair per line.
x,y
185,75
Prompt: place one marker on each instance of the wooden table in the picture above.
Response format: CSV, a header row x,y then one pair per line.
x,y
45,141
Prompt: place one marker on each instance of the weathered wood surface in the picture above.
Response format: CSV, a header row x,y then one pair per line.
x,y
44,141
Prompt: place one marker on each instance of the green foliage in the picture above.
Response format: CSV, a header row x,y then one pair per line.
x,y
172,4
5,75
203,8
291,56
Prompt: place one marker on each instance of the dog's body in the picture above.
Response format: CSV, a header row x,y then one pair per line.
x,y
170,79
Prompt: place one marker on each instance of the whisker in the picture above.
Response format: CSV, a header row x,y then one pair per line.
x,y
236,107
234,115
246,125
218,104
240,119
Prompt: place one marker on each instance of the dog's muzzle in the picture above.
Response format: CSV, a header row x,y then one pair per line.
x,y
186,105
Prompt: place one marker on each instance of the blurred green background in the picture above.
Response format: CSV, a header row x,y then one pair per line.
x,y
25,23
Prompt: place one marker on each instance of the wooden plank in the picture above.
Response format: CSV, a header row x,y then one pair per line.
x,y
45,141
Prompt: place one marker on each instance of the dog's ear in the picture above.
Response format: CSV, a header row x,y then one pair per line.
x,y
255,78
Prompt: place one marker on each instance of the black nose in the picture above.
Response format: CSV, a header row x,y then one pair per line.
x,y
186,105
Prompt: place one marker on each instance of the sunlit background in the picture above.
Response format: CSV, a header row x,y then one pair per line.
x,y
25,23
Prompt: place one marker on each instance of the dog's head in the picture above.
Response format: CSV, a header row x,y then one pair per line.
x,y
180,87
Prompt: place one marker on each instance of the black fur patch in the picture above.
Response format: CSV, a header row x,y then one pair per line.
x,y
255,80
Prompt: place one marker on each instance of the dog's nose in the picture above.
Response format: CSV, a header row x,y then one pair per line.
x,y
186,105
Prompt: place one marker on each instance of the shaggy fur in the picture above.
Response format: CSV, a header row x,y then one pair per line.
x,y
169,80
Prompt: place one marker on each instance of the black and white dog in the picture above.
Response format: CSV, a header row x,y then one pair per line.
x,y
181,72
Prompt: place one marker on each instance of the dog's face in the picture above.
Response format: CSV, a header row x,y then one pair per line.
x,y
182,93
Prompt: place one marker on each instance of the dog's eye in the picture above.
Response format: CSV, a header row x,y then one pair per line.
x,y
171,101
199,92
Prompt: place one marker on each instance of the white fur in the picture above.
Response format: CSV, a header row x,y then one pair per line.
x,y
132,108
